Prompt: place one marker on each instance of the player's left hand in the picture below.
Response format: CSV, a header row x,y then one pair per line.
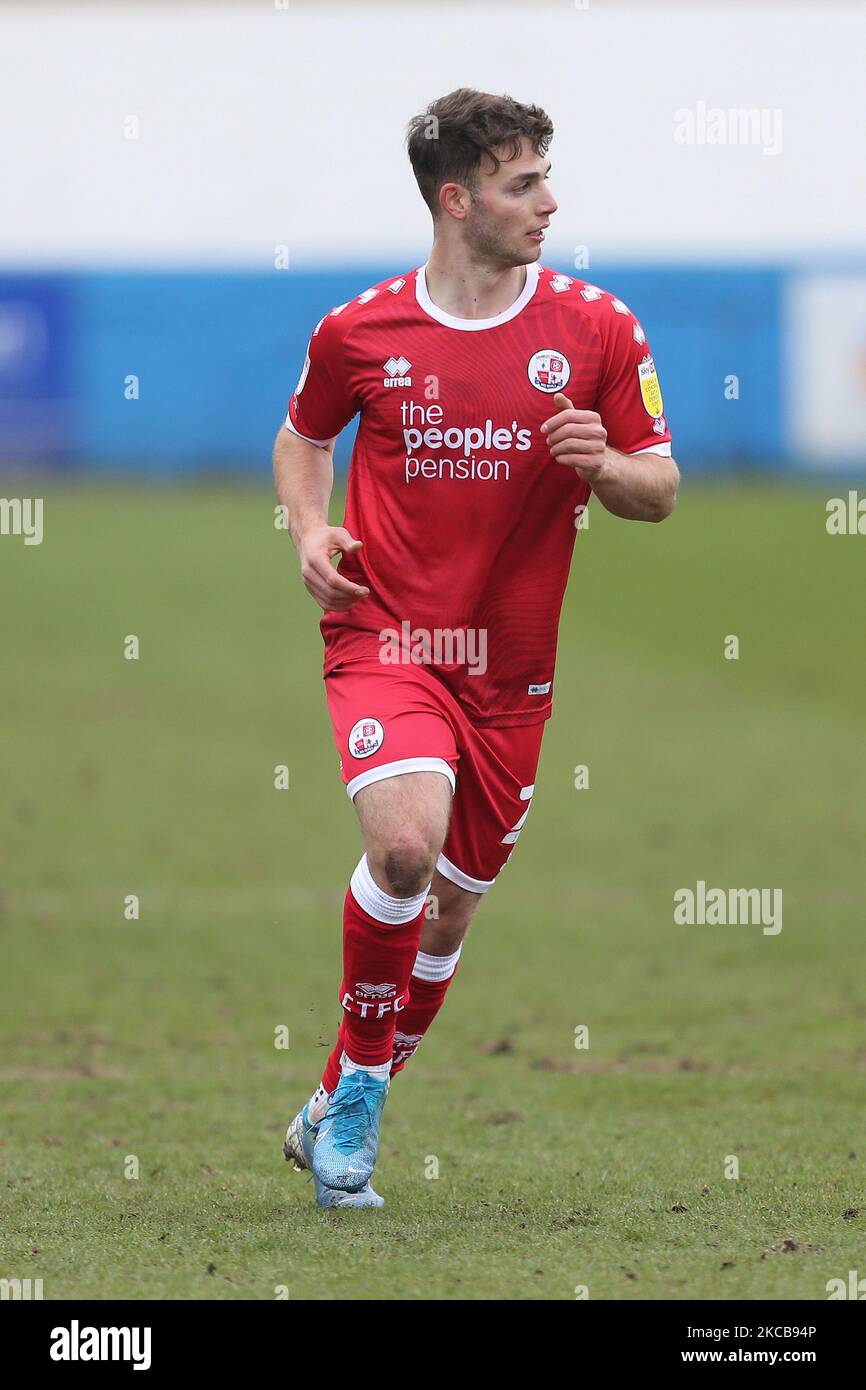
x,y
578,438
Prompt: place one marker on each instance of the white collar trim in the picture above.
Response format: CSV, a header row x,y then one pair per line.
x,y
474,325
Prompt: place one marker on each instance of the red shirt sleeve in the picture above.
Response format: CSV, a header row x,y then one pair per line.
x,y
323,402
629,398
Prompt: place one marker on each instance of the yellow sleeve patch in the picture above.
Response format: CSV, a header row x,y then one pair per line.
x,y
650,390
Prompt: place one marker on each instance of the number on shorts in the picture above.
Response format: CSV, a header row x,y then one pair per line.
x,y
514,833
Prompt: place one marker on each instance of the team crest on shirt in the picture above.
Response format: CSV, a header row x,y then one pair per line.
x,y
650,390
366,738
549,370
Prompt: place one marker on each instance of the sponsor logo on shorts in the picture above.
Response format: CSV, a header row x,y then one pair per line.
x,y
366,738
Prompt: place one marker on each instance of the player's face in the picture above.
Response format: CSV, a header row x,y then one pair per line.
x,y
511,209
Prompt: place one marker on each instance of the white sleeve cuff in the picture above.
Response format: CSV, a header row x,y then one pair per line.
x,y
663,449
323,443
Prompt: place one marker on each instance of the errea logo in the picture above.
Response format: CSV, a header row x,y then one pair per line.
x,y
396,369
375,991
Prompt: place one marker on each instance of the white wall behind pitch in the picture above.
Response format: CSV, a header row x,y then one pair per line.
x,y
262,126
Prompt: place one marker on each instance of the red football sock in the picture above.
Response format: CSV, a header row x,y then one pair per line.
x,y
380,946
428,986
331,1074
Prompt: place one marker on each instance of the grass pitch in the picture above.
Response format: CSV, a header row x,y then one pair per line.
x,y
147,1046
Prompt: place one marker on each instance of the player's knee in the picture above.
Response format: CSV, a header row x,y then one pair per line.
x,y
406,862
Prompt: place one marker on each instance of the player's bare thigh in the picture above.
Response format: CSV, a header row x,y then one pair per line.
x,y
404,821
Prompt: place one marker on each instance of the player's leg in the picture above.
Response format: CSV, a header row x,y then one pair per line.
x,y
398,756
448,917
446,922
404,819
495,785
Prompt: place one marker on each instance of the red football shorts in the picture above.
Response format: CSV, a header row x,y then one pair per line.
x,y
390,720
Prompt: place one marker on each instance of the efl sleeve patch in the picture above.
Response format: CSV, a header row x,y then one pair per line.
x,y
650,390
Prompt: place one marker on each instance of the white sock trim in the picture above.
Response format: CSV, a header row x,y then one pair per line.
x,y
369,896
434,969
347,1066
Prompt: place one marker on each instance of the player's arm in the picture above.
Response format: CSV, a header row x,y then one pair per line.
x,y
622,447
322,404
304,478
638,486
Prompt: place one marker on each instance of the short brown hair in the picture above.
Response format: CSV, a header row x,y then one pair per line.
x,y
447,142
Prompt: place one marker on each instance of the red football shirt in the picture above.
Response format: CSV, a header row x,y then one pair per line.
x,y
467,522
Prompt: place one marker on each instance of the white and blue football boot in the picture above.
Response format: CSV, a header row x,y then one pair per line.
x,y
347,1139
298,1149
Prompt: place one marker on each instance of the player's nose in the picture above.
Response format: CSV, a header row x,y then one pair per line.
x,y
548,204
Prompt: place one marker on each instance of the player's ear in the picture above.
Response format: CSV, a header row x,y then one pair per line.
x,y
454,200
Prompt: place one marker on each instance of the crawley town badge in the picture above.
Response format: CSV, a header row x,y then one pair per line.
x,y
549,370
366,738
650,389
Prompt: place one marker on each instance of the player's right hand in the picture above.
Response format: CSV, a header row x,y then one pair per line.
x,y
316,549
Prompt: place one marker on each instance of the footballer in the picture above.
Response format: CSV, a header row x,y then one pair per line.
x,y
495,396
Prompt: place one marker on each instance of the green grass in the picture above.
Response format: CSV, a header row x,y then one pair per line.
x,y
557,1167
